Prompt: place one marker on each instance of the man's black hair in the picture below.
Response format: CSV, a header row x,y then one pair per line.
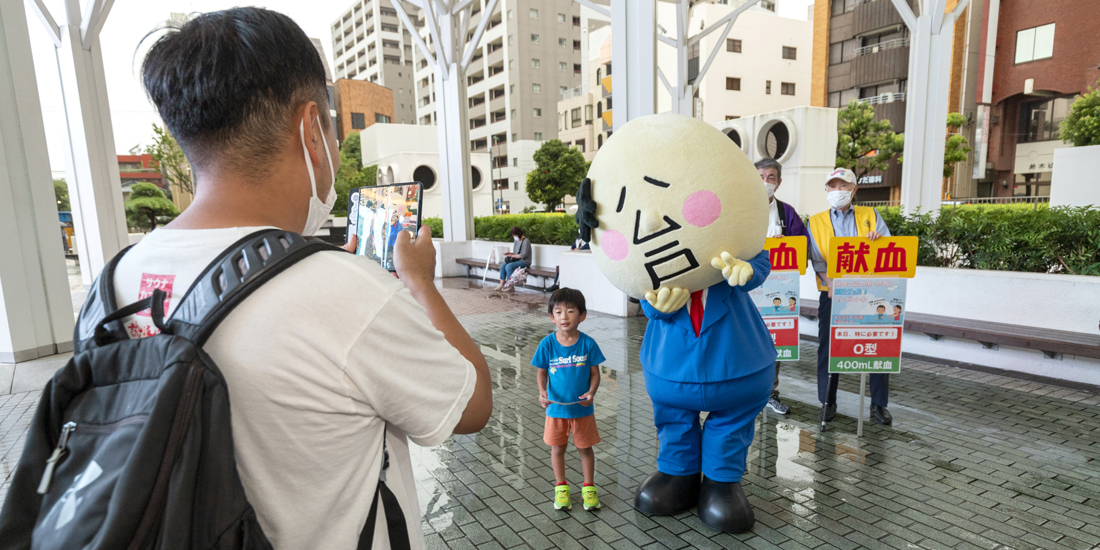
x,y
770,163
567,297
227,83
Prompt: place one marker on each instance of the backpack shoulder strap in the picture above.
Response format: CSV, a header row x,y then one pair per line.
x,y
99,303
238,271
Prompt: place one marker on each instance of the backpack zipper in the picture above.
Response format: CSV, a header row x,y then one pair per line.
x,y
59,452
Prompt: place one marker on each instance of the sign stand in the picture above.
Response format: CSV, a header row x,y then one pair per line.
x,y
862,392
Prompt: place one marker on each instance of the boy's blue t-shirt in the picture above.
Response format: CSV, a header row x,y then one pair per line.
x,y
569,369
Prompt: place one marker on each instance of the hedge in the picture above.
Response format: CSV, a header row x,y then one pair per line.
x,y
540,228
1037,240
1017,238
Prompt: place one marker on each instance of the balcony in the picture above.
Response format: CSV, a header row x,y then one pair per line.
x,y
881,65
873,15
497,116
476,123
889,106
496,69
572,92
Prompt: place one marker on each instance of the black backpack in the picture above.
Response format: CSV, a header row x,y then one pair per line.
x,y
131,446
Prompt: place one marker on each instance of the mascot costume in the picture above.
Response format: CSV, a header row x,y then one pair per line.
x,y
676,216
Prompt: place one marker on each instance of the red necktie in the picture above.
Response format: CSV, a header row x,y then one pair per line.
x,y
697,311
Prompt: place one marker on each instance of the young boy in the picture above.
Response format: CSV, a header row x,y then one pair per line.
x,y
568,378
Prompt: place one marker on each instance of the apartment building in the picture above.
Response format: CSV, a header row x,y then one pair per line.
x,y
530,53
369,42
584,112
361,104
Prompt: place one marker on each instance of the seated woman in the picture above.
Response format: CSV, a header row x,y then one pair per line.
x,y
520,256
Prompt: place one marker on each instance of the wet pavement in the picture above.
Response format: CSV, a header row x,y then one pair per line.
x,y
973,460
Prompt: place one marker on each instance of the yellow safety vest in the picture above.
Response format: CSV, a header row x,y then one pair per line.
x,y
821,226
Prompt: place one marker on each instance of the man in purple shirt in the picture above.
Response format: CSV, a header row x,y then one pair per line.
x,y
783,221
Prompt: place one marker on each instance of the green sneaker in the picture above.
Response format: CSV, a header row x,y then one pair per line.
x,y
591,499
561,498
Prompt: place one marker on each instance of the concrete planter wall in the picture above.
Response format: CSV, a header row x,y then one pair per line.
x,y
1045,301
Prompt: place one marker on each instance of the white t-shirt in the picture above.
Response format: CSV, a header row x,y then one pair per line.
x,y
775,225
314,361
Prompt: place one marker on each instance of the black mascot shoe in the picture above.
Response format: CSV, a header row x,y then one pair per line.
x,y
666,495
723,506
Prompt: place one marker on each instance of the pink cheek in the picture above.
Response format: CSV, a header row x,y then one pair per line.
x,y
702,208
614,245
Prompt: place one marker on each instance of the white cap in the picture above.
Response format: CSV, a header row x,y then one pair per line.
x,y
843,174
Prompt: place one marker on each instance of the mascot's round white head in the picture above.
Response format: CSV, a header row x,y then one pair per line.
x,y
664,195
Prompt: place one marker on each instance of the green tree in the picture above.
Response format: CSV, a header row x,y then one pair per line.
x,y
559,171
171,160
864,144
147,206
347,179
353,148
1081,126
957,147
61,194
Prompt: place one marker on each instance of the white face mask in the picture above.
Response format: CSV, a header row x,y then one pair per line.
x,y
318,211
838,199
771,189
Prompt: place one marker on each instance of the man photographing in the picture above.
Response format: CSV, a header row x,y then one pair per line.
x,y
334,354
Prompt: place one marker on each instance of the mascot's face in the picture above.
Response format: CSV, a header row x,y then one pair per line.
x,y
671,192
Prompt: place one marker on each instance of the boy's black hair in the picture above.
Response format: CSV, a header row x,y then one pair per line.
x,y
226,84
882,306
568,297
780,299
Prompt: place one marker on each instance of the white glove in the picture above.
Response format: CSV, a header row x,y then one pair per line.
x,y
736,272
667,300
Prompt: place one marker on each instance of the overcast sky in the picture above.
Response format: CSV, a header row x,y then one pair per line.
x,y
130,20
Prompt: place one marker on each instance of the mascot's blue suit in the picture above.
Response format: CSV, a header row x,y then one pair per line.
x,y
727,370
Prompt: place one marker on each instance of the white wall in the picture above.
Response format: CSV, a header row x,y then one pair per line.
x,y
402,148
1074,180
1056,302
809,158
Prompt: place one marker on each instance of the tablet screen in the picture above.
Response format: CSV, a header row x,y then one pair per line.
x,y
377,214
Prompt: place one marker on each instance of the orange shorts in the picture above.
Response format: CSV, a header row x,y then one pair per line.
x,y
584,431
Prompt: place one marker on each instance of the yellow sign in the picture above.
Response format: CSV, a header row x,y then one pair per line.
x,y
885,257
787,253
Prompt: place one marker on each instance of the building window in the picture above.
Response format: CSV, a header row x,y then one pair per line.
x,y
599,141
575,117
538,136
576,45
588,114
733,84
535,38
576,68
563,66
834,100
534,14
511,39
511,88
836,53
790,53
768,87
732,117
838,7
1035,43
563,42
358,121
514,188
563,89
515,136
536,63
512,64
786,88
515,161
1042,120
538,112
537,88
513,113
580,145
561,18
733,45
379,117
509,14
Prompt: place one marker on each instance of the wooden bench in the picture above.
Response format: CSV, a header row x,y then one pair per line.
x,y
547,273
1053,343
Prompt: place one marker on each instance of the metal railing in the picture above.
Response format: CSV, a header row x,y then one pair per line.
x,y
571,93
951,203
883,98
882,46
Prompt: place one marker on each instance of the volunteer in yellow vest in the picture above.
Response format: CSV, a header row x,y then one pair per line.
x,y
842,220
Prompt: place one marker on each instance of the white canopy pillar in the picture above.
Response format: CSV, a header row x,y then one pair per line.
x,y
926,102
447,23
633,59
91,165
36,312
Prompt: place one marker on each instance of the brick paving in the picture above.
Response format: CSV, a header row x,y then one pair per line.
x,y
973,460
